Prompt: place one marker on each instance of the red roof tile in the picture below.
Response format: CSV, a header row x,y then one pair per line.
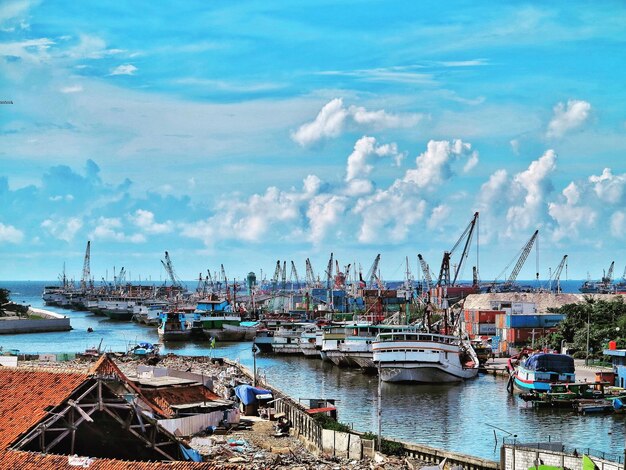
x,y
25,396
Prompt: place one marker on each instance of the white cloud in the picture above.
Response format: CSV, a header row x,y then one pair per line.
x,y
324,212
334,117
63,228
109,229
532,185
570,217
126,69
358,165
515,146
438,216
609,187
618,225
434,165
10,234
568,117
145,221
72,89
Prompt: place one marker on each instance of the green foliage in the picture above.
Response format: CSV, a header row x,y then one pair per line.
x,y
329,423
5,296
607,322
388,447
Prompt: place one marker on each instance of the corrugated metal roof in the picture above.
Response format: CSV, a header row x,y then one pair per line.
x,y
165,398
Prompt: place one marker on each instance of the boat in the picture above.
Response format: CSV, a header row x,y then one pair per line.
x,y
311,342
220,322
414,356
286,339
145,349
540,370
174,326
594,406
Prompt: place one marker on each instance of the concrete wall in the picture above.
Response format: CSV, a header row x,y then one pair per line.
x,y
522,458
433,455
342,444
34,326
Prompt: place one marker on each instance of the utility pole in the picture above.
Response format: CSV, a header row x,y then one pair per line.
x,y
380,409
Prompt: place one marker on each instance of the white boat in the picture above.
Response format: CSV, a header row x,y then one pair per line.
x,y
413,356
286,338
311,342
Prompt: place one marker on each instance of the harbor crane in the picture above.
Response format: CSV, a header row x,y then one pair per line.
x,y
444,272
294,275
523,254
169,269
86,270
209,279
276,276
428,280
329,273
223,274
310,275
283,276
608,278
371,274
557,275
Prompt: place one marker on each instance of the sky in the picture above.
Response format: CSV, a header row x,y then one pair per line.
x,y
242,133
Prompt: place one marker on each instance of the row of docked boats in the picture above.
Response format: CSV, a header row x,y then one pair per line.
x,y
400,353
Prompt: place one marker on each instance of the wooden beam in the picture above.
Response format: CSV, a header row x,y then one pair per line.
x,y
139,436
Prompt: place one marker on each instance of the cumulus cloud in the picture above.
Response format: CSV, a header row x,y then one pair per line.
x,y
334,117
126,69
10,234
110,228
618,225
609,187
63,228
532,185
435,164
568,117
145,221
569,216
358,165
72,89
324,212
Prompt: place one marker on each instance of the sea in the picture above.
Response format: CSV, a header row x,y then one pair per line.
x,y
471,417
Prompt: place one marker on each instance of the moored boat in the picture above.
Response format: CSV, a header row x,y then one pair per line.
x,y
413,356
540,370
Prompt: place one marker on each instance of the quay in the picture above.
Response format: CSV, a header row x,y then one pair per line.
x,y
34,320
203,400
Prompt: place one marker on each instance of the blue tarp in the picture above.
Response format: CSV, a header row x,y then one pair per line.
x,y
247,393
547,362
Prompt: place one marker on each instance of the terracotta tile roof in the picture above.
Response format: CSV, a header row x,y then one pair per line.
x,y
26,394
12,459
168,396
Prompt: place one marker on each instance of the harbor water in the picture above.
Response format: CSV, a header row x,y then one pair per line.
x,y
471,417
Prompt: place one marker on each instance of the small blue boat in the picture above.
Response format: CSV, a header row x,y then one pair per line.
x,y
538,371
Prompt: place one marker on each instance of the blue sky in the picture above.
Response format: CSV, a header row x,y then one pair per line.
x,y
239,133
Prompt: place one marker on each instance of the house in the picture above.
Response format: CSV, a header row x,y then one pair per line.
x,y
96,419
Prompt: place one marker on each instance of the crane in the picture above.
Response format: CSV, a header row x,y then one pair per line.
x,y
444,272
426,270
371,274
121,277
609,275
329,272
209,279
310,276
223,274
557,275
86,269
276,276
294,274
283,276
523,254
169,269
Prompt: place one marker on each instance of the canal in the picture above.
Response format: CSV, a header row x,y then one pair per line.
x,y
471,417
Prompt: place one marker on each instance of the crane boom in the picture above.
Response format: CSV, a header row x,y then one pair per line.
x,y
294,273
169,269
329,272
557,273
371,274
310,276
444,272
609,275
426,271
522,259
86,270
283,275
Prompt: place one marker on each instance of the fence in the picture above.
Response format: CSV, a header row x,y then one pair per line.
x,y
521,456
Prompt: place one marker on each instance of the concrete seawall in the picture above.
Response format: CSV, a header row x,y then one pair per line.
x,y
50,322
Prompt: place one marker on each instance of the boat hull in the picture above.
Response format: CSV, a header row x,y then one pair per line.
x,y
424,374
119,315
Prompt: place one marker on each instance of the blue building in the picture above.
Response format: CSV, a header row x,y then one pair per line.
x,y
618,358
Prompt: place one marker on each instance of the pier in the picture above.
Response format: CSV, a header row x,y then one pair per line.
x,y
36,320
